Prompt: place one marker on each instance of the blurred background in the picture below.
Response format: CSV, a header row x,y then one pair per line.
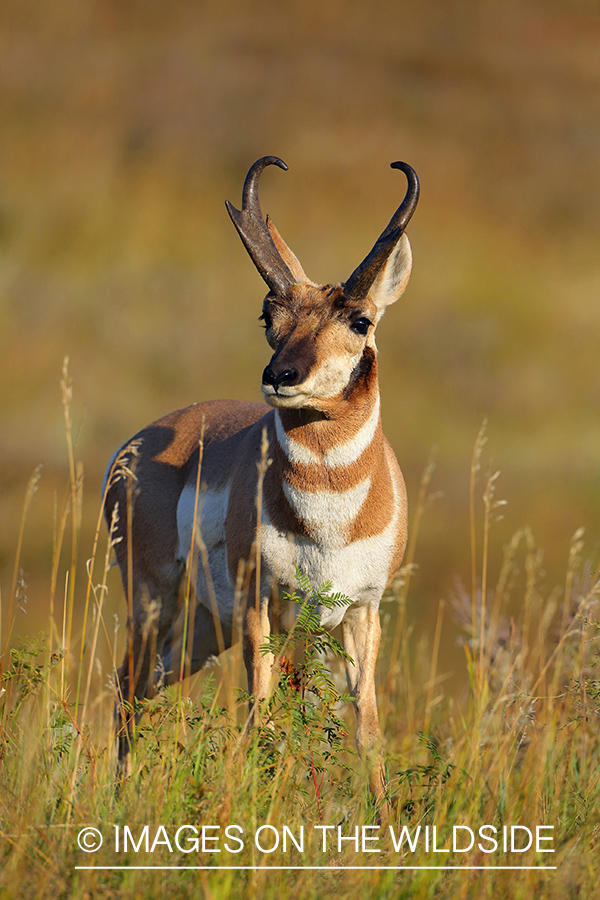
x,y
124,128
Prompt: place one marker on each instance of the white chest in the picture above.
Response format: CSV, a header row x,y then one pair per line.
x,y
327,515
359,569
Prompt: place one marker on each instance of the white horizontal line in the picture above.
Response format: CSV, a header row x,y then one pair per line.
x,y
320,868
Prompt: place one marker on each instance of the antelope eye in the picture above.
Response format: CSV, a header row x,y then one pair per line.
x,y
266,318
361,326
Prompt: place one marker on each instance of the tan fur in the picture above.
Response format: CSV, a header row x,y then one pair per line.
x,y
334,503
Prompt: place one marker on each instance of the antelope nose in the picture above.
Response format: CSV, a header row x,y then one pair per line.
x,y
276,379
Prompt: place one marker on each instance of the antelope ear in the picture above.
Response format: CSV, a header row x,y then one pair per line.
x,y
289,258
393,277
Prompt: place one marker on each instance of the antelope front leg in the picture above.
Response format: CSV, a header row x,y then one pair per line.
x,y
361,631
256,631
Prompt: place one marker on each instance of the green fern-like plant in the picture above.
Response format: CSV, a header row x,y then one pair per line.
x,y
303,714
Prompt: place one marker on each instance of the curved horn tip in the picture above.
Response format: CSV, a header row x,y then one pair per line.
x,y
250,188
414,185
406,168
277,161
269,161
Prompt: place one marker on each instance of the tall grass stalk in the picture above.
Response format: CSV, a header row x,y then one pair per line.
x,y
76,489
8,623
433,670
521,752
60,525
401,586
474,471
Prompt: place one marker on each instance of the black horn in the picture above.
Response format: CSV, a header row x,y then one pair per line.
x,y
361,280
254,233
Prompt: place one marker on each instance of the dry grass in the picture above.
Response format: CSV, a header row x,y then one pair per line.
x,y
519,748
124,129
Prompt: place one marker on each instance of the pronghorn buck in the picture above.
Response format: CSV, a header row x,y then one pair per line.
x,y
328,498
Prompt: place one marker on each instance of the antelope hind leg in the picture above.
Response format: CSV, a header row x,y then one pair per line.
x,y
153,615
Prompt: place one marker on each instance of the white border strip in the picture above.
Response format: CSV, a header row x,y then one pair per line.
x,y
315,868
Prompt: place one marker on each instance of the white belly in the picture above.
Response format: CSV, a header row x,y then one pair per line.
x,y
213,584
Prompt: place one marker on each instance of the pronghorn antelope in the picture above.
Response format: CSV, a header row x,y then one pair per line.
x,y
333,501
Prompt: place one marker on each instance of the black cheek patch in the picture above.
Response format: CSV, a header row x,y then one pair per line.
x,y
362,372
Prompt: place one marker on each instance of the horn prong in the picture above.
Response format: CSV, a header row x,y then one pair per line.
x,y
252,229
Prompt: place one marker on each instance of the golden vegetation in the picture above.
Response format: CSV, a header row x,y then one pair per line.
x,y
514,760
125,127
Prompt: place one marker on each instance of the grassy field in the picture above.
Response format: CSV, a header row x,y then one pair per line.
x,y
493,794
124,128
